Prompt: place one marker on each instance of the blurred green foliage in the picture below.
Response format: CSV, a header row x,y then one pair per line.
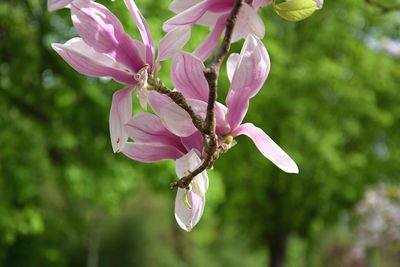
x,y
331,101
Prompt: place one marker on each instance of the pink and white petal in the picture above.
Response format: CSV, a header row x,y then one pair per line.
x,y
97,26
120,114
187,17
173,42
248,22
143,29
177,6
148,128
150,152
188,217
178,121
53,5
157,101
248,78
188,76
231,64
100,29
86,60
267,147
261,3
189,163
195,141
210,43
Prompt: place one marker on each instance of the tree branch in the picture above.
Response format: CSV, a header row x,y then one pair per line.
x,y
212,74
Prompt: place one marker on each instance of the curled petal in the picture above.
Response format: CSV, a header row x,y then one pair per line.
x,y
100,29
86,60
173,42
143,29
267,147
188,77
148,128
53,5
249,76
150,152
177,120
121,112
188,215
248,22
261,3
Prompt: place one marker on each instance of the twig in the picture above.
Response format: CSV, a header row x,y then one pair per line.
x,y
211,74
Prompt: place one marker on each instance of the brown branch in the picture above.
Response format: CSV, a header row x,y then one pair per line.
x,y
158,86
211,74
383,7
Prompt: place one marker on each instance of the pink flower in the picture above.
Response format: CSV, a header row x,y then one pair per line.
x,y
53,5
105,50
213,13
152,142
247,73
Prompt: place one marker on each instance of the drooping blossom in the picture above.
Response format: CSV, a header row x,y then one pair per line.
x,y
105,50
213,14
247,73
153,142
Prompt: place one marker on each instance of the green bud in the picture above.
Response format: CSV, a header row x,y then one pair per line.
x,y
296,10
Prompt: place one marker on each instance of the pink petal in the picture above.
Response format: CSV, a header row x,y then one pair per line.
x,y
173,42
178,6
150,152
195,141
248,22
231,64
100,29
86,60
249,76
210,43
267,147
177,121
187,17
188,76
120,114
186,217
148,128
143,29
53,5
157,101
261,3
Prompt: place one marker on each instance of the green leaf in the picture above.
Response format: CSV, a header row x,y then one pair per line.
x,y
296,10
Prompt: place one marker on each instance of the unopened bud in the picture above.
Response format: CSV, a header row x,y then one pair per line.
x,y
296,10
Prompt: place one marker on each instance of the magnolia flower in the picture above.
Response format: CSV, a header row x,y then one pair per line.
x,y
247,73
153,142
105,50
213,13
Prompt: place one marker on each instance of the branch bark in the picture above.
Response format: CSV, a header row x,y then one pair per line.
x,y
212,74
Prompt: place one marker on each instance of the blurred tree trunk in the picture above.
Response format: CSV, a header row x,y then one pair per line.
x,y
277,250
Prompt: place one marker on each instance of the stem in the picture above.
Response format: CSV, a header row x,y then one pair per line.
x,y
212,74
